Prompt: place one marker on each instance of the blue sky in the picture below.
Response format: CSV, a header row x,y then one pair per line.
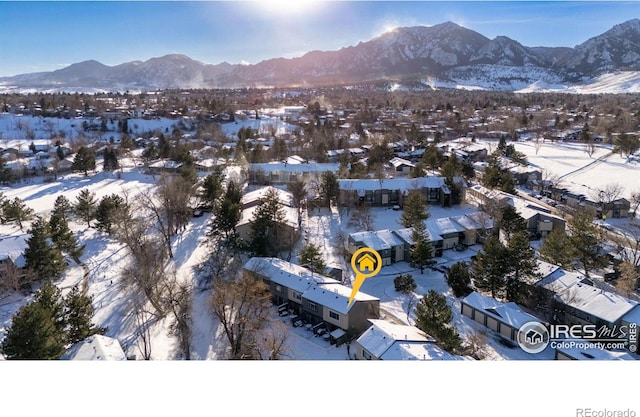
x,y
43,36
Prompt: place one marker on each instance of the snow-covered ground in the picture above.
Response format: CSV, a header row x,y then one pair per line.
x,y
105,257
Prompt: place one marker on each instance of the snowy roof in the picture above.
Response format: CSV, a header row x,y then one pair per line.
x,y
382,334
96,347
406,235
290,216
508,313
314,287
286,273
295,159
574,290
396,162
424,351
284,197
445,225
13,247
581,349
378,240
474,221
402,184
166,164
528,210
389,341
335,296
281,166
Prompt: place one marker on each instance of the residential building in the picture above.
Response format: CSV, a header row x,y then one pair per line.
x,y
317,299
390,247
12,258
503,318
580,300
282,173
384,340
392,191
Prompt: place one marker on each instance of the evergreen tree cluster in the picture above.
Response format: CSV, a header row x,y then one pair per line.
x,y
46,327
433,316
404,283
84,161
110,162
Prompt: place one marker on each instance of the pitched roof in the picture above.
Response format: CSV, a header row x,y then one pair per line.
x,y
259,194
389,341
13,247
575,290
96,347
507,313
317,288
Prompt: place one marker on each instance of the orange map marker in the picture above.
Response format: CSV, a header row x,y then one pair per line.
x,y
365,262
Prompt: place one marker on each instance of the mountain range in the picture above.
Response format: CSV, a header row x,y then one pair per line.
x,y
443,55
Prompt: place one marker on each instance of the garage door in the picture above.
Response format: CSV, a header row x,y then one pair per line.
x,y
479,317
506,331
492,323
467,311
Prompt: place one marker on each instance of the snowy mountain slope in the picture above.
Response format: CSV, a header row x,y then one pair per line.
x,y
445,52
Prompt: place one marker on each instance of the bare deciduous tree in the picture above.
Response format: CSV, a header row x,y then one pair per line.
x,y
169,206
243,307
272,343
178,300
362,218
607,195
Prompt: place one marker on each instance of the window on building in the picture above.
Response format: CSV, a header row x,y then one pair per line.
x,y
297,296
334,316
278,288
313,307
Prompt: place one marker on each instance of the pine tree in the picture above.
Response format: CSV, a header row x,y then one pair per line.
x,y
49,297
62,208
17,211
511,222
490,267
228,211
63,238
433,316
523,268
329,188
404,283
422,251
84,161
5,172
459,279
108,211
311,257
41,255
556,249
266,226
78,313
85,206
585,238
415,210
110,162
33,335
213,186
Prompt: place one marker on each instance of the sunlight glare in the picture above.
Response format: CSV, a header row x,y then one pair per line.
x,y
287,7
